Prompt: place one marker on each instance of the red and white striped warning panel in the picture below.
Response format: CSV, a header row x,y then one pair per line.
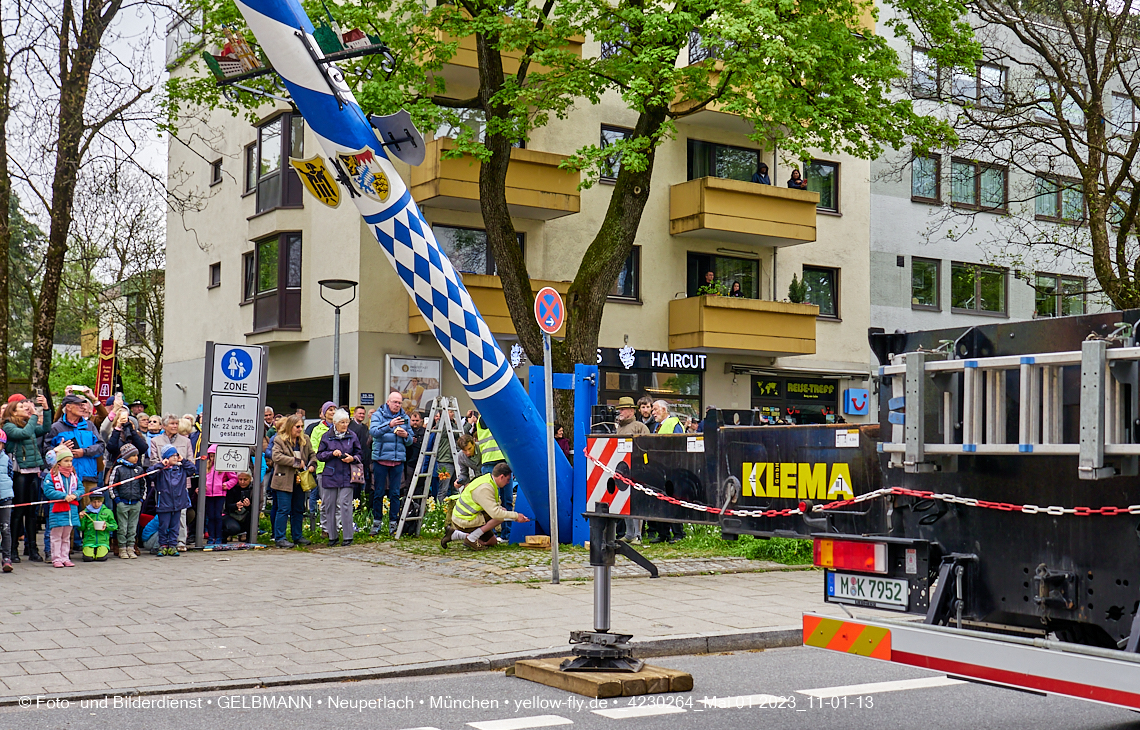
x,y
615,454
1072,670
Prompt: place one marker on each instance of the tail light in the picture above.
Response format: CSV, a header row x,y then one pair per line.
x,y
863,557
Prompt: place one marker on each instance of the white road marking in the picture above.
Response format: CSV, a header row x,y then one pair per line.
x,y
743,701
620,713
521,723
877,687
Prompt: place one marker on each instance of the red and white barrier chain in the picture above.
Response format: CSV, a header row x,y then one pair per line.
x,y
1028,509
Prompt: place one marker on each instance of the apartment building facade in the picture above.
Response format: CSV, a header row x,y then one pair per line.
x,y
960,236
245,267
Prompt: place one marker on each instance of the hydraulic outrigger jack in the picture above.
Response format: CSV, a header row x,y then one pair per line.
x,y
599,650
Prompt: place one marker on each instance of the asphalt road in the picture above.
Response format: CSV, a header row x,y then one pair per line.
x,y
753,689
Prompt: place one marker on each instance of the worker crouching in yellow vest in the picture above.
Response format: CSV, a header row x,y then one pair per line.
x,y
477,511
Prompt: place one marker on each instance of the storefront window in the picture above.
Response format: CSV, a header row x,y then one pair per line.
x,y
796,400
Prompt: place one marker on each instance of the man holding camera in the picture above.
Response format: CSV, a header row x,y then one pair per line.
x,y
390,442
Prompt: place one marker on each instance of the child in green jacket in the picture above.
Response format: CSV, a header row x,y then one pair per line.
x,y
98,523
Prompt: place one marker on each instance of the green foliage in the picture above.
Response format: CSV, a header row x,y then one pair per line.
x,y
75,370
797,290
801,72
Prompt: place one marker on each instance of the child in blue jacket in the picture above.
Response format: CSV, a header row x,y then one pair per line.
x,y
7,495
171,498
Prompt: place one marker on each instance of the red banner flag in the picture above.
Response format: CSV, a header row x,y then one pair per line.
x,y
105,372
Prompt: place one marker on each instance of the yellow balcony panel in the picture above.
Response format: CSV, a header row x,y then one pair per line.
x,y
487,294
731,325
276,338
742,212
461,72
536,187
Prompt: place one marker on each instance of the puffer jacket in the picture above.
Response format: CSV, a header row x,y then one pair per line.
x,y
337,473
386,445
219,482
6,491
22,442
61,514
170,494
131,491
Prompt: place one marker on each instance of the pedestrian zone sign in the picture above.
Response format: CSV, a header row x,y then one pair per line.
x,y
237,369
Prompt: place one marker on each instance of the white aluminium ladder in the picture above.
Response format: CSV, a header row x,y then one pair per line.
x,y
420,488
976,387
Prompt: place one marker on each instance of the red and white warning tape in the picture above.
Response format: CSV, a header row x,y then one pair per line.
x,y
103,488
1029,509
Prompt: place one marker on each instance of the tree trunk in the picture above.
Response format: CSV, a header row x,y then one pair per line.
x,y
75,66
5,213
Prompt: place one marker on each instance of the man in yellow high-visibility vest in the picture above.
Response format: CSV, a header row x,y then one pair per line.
x,y
477,511
490,456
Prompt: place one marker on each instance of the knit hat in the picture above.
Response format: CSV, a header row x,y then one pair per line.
x,y
328,404
16,398
62,453
169,451
127,451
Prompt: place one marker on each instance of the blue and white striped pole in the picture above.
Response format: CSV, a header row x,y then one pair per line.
x,y
341,127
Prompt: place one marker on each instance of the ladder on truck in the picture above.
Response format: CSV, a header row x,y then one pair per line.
x,y
420,488
972,392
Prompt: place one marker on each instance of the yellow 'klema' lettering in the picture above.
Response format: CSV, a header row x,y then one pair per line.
x,y
787,481
813,481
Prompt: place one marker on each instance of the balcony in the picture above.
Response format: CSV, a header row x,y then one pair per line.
x,y
487,294
461,73
742,212
536,187
727,325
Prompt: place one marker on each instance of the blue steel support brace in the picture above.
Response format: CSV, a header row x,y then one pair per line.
x,y
341,128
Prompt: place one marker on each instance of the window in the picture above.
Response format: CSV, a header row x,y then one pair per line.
x,y
1059,295
985,86
976,185
719,160
925,277
1125,115
215,172
468,250
183,35
249,276
698,49
823,178
923,74
135,319
250,168
926,179
215,275
273,282
822,289
628,284
977,288
610,135
267,170
1045,91
1059,200
727,270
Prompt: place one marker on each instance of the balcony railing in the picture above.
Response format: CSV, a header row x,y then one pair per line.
x,y
536,186
487,294
730,324
742,212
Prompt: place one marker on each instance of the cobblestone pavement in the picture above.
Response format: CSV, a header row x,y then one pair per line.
x,y
523,566
206,617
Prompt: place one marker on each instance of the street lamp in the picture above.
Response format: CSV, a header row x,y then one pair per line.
x,y
337,285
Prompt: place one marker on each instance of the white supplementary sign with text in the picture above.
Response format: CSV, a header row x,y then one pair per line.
x,y
234,420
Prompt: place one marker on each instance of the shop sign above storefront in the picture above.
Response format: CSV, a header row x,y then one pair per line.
x,y
631,359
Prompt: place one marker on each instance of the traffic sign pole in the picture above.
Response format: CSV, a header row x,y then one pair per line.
x,y
550,312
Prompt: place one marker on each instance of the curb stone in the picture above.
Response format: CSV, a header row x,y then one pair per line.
x,y
679,645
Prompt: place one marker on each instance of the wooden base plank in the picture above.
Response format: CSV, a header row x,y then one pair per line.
x,y
650,680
